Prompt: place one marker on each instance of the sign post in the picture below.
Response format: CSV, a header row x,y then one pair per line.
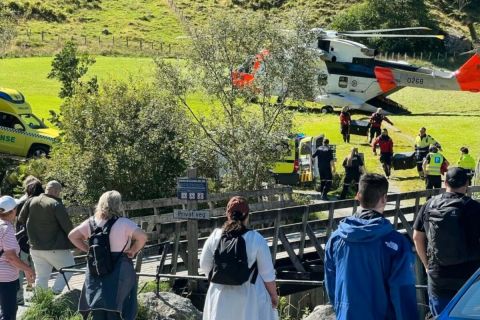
x,y
192,189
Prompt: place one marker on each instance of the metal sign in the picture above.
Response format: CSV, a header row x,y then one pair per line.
x,y
192,189
191,214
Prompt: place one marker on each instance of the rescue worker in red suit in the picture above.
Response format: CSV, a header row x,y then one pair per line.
x,y
376,123
345,121
386,151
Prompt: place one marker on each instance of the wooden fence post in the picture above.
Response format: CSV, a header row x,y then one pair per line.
x,y
276,226
127,42
176,244
397,211
331,211
417,207
43,36
99,40
192,233
141,44
304,231
291,253
85,40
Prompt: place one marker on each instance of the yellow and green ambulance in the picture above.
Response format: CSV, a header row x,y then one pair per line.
x,y
21,132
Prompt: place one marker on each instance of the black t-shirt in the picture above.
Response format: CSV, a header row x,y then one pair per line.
x,y
325,156
354,169
447,280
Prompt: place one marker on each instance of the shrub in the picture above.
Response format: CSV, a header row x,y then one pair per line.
x,y
127,136
43,306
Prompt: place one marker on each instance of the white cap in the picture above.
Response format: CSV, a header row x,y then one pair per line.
x,y
7,204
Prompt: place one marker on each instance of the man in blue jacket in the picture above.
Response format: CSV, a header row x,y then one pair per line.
x,y
369,267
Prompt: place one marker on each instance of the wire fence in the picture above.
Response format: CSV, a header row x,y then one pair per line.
x,y
44,42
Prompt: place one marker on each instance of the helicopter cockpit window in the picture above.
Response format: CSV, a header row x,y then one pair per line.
x,y
343,82
324,45
322,79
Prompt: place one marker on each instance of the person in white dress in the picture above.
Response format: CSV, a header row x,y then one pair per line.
x,y
247,301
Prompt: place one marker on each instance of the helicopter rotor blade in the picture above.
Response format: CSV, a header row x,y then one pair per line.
x,y
373,35
386,30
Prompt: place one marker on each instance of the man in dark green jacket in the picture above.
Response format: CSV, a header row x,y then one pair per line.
x,y
48,225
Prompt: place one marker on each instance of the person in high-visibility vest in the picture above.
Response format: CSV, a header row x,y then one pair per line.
x,y
432,166
467,163
422,143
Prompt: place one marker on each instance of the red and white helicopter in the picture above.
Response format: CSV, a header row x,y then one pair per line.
x,y
350,75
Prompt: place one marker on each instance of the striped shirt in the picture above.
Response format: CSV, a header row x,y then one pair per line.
x,y
8,241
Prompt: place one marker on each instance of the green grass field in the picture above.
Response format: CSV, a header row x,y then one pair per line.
x,y
451,117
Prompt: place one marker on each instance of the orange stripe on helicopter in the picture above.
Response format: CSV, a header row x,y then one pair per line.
x,y
468,76
385,78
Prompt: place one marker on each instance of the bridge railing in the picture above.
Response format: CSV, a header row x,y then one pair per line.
x,y
294,230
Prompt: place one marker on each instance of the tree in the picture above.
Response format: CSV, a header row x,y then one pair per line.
x,y
243,126
8,28
68,68
127,137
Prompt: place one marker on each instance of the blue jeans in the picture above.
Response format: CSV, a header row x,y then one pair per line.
x,y
8,300
437,304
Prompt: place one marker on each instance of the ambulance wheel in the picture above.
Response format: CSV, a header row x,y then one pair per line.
x,y
326,109
38,151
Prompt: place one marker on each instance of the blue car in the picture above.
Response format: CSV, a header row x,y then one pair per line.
x,y
466,303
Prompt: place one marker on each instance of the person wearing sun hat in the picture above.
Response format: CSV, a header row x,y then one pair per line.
x,y
254,299
10,263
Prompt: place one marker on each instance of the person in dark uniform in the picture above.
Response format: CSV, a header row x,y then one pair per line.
x,y
353,165
326,167
345,121
386,151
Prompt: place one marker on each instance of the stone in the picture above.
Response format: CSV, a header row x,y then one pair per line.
x,y
69,299
322,312
168,306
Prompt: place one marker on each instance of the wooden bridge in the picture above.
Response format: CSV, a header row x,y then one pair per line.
x,y
296,234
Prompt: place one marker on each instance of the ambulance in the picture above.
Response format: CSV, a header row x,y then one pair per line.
x,y
298,166
22,134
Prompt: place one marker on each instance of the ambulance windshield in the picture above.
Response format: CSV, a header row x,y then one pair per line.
x,y
32,121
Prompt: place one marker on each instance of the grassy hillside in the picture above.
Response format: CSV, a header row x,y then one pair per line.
x,y
451,117
105,25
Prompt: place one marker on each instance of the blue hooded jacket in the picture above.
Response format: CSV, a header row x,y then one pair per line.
x,y
369,271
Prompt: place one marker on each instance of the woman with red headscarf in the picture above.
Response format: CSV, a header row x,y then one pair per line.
x,y
254,299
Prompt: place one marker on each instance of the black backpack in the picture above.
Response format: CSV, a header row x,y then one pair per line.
x,y
447,242
231,262
99,255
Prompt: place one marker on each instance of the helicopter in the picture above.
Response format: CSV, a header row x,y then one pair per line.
x,y
351,76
